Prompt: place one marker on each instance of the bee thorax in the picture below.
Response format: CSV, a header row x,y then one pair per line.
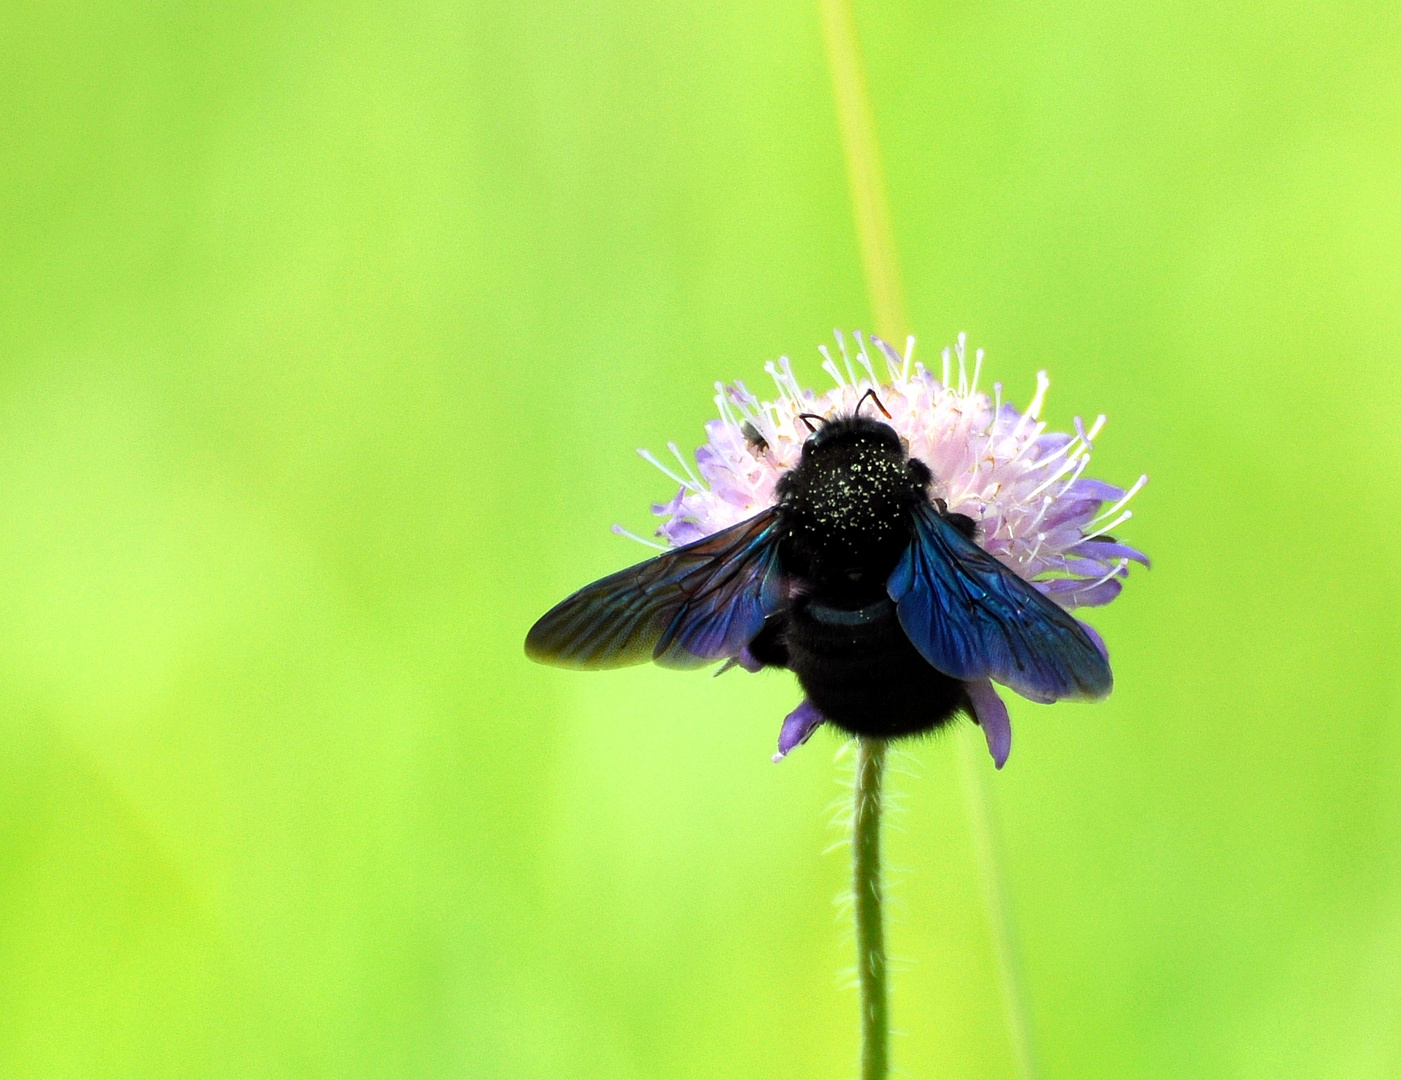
x,y
846,512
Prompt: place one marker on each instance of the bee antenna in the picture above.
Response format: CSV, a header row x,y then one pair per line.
x,y
872,395
808,417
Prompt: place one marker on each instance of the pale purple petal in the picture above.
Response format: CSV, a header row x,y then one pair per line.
x,y
1099,549
746,660
1007,417
682,531
1049,442
1093,635
1090,566
671,509
742,659
892,357
798,727
1086,488
1076,592
1070,510
710,463
992,717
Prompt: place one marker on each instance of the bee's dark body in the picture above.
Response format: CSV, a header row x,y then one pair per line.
x,y
845,519
864,676
874,595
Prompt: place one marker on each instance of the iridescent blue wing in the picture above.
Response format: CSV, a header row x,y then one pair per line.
x,y
973,618
685,608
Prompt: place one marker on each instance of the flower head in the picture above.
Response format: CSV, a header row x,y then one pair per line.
x,y
1026,488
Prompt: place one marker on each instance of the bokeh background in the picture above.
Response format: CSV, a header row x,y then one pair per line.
x,y
327,334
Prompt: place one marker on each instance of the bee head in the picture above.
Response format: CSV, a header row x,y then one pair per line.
x,y
841,429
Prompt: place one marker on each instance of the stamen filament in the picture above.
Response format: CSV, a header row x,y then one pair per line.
x,y
864,358
1079,471
685,465
618,530
1137,487
841,344
1107,528
650,459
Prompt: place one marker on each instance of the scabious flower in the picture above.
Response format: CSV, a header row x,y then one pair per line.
x,y
1036,510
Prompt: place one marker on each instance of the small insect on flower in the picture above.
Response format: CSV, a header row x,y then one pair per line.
x,y
898,546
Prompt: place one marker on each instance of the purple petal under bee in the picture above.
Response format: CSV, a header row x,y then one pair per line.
x,y
1093,635
798,727
992,718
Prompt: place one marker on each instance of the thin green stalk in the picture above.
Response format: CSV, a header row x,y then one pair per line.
x,y
879,261
866,896
863,170
972,763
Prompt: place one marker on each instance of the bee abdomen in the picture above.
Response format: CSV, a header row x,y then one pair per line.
x,y
861,672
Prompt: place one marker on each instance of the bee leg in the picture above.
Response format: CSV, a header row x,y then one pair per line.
x,y
766,650
770,647
964,524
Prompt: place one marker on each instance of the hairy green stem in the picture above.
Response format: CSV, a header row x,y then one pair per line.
x,y
866,896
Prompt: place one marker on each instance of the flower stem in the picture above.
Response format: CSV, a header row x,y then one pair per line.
x,y
870,928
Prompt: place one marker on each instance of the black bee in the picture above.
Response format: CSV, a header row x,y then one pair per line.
x,y
876,596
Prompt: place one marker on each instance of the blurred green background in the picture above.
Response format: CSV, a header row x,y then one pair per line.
x,y
328,333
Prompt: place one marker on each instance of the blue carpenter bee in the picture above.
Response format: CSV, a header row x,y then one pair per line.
x,y
875,595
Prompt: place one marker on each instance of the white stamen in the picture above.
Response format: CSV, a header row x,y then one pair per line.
x,y
1105,530
945,383
864,358
1028,443
647,457
1137,487
1043,383
832,370
894,367
830,367
962,367
977,370
1079,470
786,366
1065,467
1119,569
685,465
1033,412
731,423
618,530
771,370
722,403
841,344
1072,448
782,375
